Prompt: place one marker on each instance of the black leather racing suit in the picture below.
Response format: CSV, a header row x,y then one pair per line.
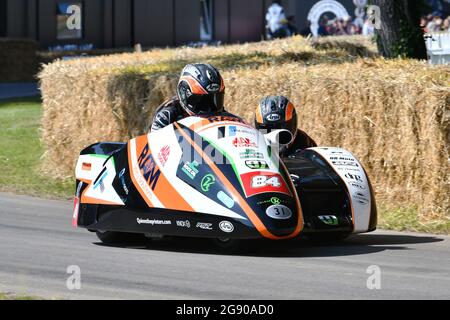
x,y
168,112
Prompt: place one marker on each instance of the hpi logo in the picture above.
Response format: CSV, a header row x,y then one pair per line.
x,y
329,220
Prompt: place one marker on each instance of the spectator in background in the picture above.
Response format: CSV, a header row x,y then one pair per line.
x,y
306,32
446,25
276,21
347,25
435,23
323,30
291,26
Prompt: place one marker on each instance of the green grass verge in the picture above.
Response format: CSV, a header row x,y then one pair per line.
x,y
7,296
20,159
408,219
21,151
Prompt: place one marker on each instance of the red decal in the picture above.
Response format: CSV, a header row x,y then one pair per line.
x,y
261,182
163,155
243,143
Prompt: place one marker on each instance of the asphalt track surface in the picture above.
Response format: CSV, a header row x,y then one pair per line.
x,y
38,244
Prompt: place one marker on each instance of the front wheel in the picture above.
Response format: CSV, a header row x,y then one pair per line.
x,y
328,238
227,245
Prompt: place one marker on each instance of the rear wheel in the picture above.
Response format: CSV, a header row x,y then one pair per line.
x,y
111,237
328,238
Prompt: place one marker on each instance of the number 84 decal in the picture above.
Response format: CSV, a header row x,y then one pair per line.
x,y
262,182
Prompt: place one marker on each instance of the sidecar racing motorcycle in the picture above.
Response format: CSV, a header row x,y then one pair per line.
x,y
218,177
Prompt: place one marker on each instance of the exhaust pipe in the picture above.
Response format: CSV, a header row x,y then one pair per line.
x,y
282,137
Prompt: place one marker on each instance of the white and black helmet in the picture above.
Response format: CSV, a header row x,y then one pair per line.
x,y
201,89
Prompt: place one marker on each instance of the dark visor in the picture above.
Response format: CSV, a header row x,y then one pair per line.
x,y
206,103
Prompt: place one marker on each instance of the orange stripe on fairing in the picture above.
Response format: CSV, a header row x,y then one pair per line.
x,y
169,196
199,124
289,111
243,204
164,191
259,118
195,86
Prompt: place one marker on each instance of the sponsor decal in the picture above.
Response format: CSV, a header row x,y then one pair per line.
x,y
148,167
183,223
355,177
342,159
204,225
213,87
122,181
273,200
329,220
358,185
361,198
273,117
256,164
241,142
225,118
225,199
226,226
278,211
262,182
207,182
100,179
251,154
347,169
163,155
86,166
345,164
190,169
232,131
153,221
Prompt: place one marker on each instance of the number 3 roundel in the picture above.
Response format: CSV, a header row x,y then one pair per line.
x,y
261,182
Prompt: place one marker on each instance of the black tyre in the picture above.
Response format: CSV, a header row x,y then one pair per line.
x,y
226,245
328,238
112,237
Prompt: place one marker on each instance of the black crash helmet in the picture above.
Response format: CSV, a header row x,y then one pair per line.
x,y
274,113
201,89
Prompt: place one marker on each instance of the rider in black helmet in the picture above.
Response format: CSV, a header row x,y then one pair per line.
x,y
200,91
277,112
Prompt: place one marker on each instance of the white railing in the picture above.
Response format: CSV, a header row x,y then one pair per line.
x,y
438,47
